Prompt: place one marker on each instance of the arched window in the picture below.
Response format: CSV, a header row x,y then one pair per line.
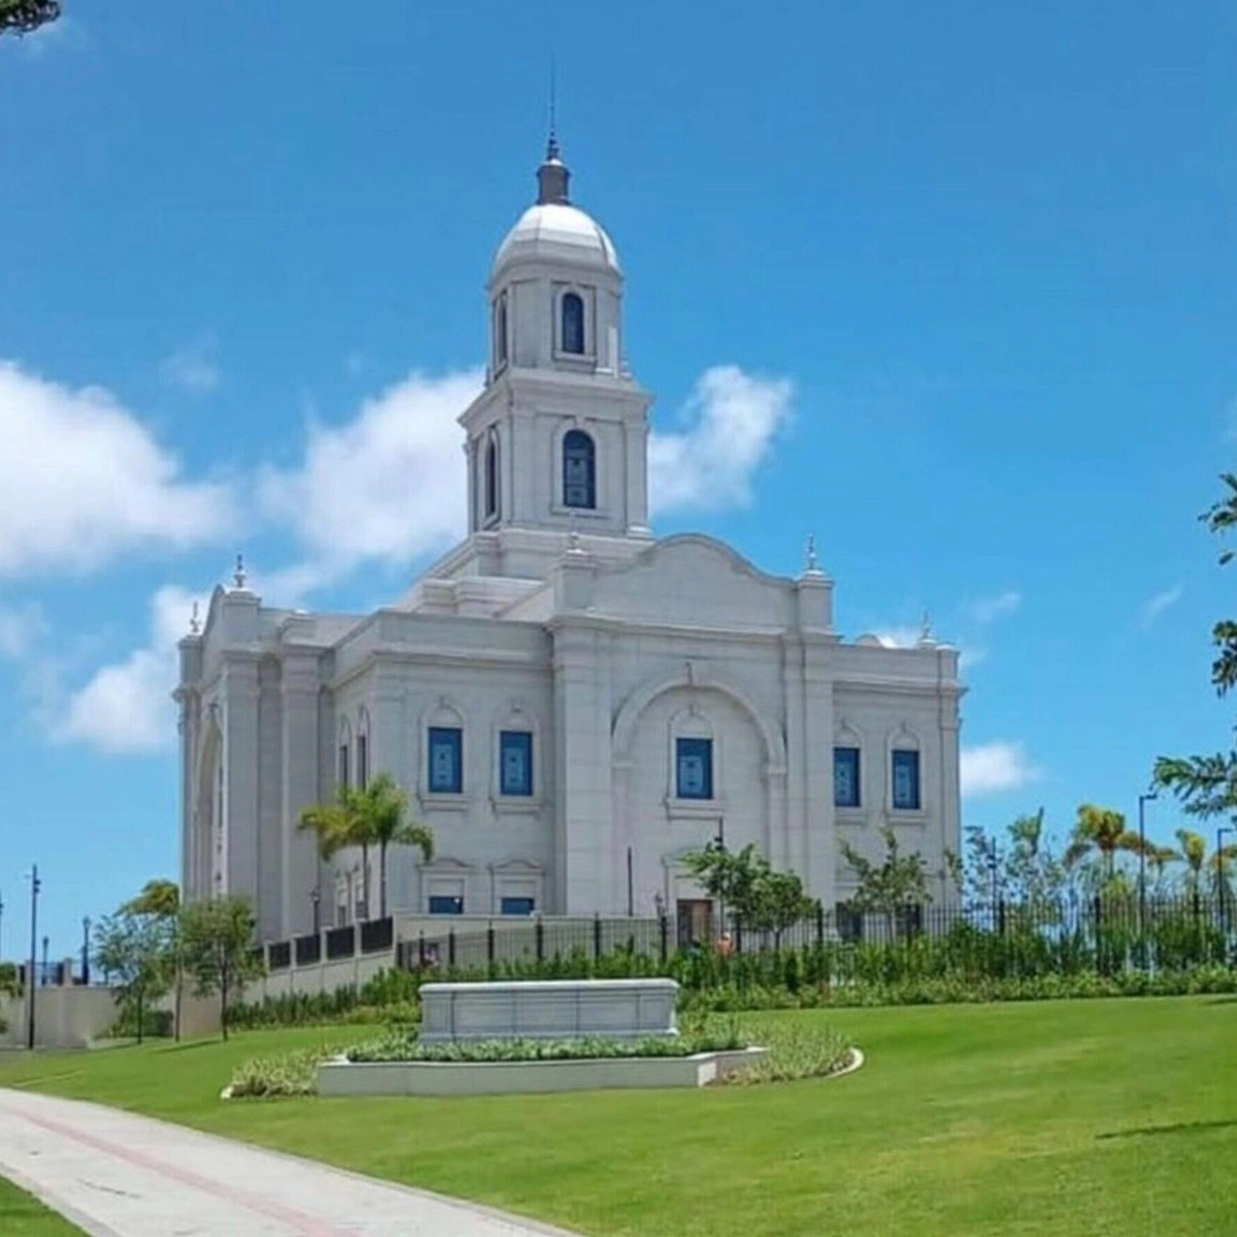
x,y
579,470
491,477
500,331
573,323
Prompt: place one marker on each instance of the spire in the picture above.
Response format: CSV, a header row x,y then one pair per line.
x,y
552,175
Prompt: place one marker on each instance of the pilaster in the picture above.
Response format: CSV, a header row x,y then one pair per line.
x,y
299,868
240,806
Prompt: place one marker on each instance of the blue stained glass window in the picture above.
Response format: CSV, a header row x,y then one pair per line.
x,y
515,762
491,478
518,906
573,323
579,470
845,777
906,796
446,764
694,768
445,904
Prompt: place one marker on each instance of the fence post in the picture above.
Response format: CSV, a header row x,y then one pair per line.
x,y
451,947
489,943
596,936
421,948
820,924
1097,913
738,933
1000,917
663,927
539,939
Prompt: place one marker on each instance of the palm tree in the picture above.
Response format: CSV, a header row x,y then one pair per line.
x,y
1102,831
1158,858
338,825
1194,852
384,804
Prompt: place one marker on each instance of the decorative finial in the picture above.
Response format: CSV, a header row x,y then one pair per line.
x,y
811,553
194,626
238,576
925,630
552,175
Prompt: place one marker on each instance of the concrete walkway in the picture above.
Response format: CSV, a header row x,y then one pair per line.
x,y
114,1174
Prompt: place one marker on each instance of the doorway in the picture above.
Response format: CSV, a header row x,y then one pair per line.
x,y
695,921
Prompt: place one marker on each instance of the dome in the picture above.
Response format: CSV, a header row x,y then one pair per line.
x,y
557,232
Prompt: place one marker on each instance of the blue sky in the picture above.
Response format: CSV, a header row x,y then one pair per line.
x,y
950,288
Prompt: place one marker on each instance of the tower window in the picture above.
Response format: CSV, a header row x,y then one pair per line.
x,y
500,331
579,470
446,764
491,477
573,323
845,777
694,768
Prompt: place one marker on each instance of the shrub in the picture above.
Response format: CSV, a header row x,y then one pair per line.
x,y
292,1073
797,1049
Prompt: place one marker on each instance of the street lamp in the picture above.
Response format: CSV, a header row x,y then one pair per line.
x,y
85,951
35,886
1143,800
314,899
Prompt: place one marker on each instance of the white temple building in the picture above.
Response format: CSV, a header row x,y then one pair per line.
x,y
570,702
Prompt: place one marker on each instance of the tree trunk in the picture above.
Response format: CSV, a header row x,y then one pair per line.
x,y
223,1002
382,880
176,1006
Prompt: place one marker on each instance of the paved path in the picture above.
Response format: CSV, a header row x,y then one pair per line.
x,y
118,1175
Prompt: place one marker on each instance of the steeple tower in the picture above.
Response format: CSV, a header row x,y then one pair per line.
x,y
557,439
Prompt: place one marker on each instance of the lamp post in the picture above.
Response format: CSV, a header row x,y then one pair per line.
x,y
1,925
35,886
85,951
1143,800
315,899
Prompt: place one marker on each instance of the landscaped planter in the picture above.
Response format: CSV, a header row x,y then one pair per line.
x,y
341,1078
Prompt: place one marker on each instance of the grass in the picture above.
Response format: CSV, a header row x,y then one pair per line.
x,y
23,1216
1055,1118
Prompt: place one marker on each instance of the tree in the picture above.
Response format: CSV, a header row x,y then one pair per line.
x,y
160,900
1206,786
133,950
338,825
1198,861
217,948
382,806
366,818
898,881
728,876
23,16
1100,832
780,903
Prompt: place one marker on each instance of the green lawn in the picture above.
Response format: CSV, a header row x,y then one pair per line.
x,y
23,1216
1096,1117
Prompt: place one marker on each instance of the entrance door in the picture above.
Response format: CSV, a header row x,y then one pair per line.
x,y
695,922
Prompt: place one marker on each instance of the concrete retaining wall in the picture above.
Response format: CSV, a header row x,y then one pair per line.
x,y
63,1017
345,1078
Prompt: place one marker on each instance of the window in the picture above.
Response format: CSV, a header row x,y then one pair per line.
x,y
694,768
518,906
446,904
343,764
845,777
362,761
515,755
446,764
491,477
500,331
573,323
906,781
579,470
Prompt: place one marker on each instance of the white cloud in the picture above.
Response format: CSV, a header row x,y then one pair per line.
x,y
731,420
126,707
987,609
1155,606
83,480
387,486
990,768
193,367
20,628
